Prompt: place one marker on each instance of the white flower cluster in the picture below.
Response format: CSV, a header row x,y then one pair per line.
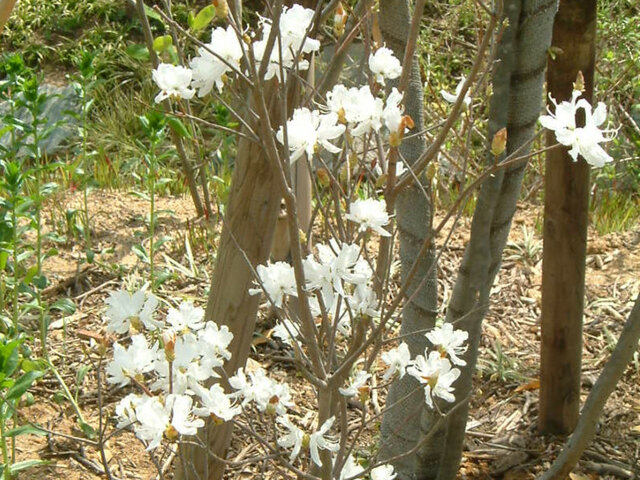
x,y
170,361
340,277
223,54
355,110
173,367
584,141
433,369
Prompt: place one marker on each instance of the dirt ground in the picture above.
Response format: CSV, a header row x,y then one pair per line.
x,y
502,437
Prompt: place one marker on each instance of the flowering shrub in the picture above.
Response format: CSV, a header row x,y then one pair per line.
x,y
335,331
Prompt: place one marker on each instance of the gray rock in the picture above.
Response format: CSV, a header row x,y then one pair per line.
x,y
60,101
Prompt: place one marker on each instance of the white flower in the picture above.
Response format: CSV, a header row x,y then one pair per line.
x,y
318,441
134,361
173,82
343,264
294,23
452,98
369,213
215,402
265,392
125,309
350,469
293,438
449,341
436,375
397,359
278,280
393,112
153,419
126,410
186,317
358,382
213,338
208,68
182,421
286,331
582,140
384,65
364,301
357,107
308,129
383,472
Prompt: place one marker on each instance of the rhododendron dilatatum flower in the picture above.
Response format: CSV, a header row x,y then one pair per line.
x,y
208,69
397,360
309,129
384,65
369,213
173,81
436,375
450,342
585,140
126,310
452,98
294,24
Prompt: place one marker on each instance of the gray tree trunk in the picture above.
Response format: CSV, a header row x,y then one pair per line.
x,y
398,432
516,103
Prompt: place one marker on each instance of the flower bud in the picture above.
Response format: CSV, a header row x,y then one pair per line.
x,y
222,8
169,339
364,392
271,406
339,20
579,83
499,142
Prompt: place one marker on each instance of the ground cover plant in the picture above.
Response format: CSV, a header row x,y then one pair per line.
x,y
366,359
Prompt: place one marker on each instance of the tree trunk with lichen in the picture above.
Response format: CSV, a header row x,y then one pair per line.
x,y
414,213
516,103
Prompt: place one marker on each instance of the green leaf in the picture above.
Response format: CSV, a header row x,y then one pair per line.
x,y
40,281
23,384
160,44
88,430
151,13
30,274
179,127
64,305
138,52
25,430
204,17
190,18
82,372
141,253
26,464
9,357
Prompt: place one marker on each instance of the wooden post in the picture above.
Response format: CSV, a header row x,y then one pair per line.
x,y
6,6
566,210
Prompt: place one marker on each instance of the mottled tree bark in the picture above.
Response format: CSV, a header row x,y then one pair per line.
x,y
517,93
566,216
399,431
